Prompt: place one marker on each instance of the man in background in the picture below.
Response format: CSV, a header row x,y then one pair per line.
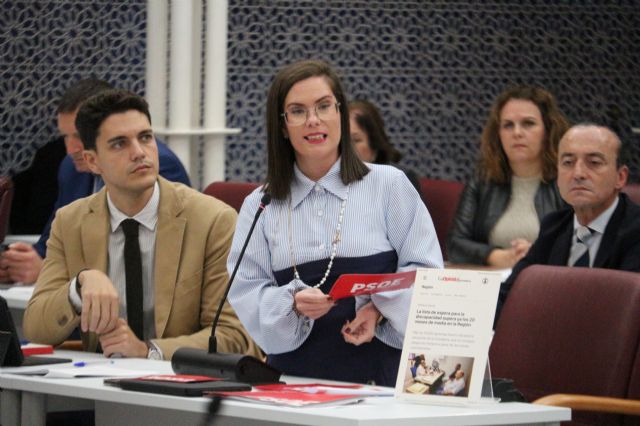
x,y
22,262
601,229
140,266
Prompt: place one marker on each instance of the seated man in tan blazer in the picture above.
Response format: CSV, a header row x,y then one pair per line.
x,y
154,288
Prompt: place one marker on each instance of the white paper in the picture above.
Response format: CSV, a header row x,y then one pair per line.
x,y
66,371
361,391
95,371
450,327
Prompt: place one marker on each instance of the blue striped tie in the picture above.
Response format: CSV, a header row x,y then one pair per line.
x,y
583,235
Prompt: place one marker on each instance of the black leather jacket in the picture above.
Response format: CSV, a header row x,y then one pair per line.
x,y
481,205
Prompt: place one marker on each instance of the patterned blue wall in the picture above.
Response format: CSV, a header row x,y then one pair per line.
x,y
432,67
47,45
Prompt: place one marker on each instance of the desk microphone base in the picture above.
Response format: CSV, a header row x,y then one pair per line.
x,y
235,367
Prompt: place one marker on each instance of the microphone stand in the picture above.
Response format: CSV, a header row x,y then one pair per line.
x,y
213,342
236,367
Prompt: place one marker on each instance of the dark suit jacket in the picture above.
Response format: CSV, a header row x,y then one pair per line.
x,y
619,248
73,185
36,189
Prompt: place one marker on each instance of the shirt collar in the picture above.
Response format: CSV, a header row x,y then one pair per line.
x,y
599,223
148,216
302,185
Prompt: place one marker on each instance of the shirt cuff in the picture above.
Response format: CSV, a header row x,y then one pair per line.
x,y
74,297
304,324
156,348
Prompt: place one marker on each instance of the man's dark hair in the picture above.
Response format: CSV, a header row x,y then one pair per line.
x,y
80,92
99,107
620,126
623,150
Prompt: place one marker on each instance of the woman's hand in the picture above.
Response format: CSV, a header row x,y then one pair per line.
x,y
521,247
507,258
312,302
362,328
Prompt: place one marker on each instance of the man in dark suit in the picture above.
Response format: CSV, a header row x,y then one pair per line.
x,y
22,262
602,227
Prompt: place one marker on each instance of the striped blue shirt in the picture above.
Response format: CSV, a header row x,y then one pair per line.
x,y
383,213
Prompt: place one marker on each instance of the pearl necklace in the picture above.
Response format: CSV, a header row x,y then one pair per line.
x,y
334,243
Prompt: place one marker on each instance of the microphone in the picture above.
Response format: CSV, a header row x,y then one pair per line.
x,y
236,367
213,343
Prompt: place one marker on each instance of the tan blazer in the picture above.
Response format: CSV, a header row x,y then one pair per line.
x,y
193,239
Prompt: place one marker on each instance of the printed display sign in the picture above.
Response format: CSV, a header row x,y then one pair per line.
x,y
448,336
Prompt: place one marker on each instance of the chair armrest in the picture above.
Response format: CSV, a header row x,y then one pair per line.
x,y
592,403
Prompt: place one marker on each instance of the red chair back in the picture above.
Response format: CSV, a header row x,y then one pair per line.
x,y
633,191
232,193
570,330
441,198
634,389
6,195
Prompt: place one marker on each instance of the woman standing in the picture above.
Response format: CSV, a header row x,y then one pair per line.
x,y
330,214
500,209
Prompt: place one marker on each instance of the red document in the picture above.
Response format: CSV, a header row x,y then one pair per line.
x,y
305,395
290,398
349,285
29,349
178,378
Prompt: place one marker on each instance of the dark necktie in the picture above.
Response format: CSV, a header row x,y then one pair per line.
x,y
583,234
133,273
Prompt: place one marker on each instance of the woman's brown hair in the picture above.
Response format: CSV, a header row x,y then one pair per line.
x,y
370,120
281,154
494,164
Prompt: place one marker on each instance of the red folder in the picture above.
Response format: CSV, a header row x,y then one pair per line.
x,y
349,285
36,349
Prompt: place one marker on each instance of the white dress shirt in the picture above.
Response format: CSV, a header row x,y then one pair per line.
x,y
148,219
597,227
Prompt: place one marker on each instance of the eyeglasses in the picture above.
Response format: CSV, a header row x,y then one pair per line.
x,y
297,115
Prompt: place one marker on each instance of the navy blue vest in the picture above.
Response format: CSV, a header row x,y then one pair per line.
x,y
325,354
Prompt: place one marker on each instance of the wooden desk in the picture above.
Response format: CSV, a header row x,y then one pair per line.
x,y
26,399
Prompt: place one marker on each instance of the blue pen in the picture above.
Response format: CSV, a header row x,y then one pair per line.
x,y
85,363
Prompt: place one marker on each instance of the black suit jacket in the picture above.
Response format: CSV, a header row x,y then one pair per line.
x,y
36,189
619,247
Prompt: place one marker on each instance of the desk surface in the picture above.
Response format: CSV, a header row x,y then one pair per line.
x,y
17,296
373,411
26,238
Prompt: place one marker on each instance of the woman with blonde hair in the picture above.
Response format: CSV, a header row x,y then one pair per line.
x,y
501,207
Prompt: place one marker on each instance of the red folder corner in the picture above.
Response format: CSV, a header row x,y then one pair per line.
x,y
29,349
349,285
